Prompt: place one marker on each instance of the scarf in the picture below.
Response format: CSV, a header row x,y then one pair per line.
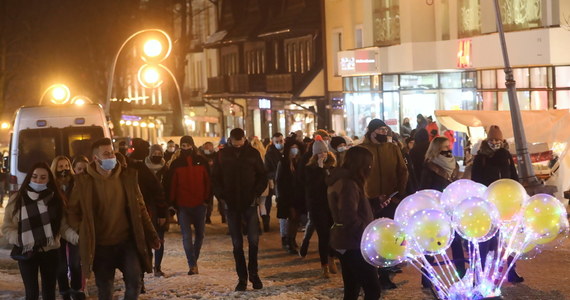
x,y
36,227
446,163
154,167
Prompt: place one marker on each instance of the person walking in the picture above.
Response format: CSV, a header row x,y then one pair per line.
x,y
289,192
387,180
440,170
108,209
258,145
432,128
406,128
351,213
34,223
493,162
207,150
239,178
189,190
69,278
338,148
418,151
272,158
316,171
170,149
80,164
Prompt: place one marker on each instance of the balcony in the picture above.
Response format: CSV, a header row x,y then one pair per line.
x,y
243,83
216,84
281,83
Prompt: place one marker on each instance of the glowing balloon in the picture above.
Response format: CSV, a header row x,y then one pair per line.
x,y
546,218
476,219
430,230
431,193
412,204
383,243
459,191
508,195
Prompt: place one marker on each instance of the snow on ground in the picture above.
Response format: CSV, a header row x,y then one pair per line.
x,y
287,276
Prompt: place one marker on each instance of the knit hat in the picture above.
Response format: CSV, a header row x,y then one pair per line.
x,y
154,148
323,133
348,140
495,133
319,145
375,124
337,140
187,139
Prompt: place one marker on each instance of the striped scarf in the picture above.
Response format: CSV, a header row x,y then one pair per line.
x,y
36,227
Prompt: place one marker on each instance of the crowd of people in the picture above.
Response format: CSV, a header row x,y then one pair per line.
x,y
83,216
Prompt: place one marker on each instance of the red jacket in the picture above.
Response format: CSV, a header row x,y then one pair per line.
x,y
432,130
190,184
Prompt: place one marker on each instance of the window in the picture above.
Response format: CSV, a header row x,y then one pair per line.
x,y
358,43
254,54
521,14
299,54
390,82
563,76
230,62
386,22
418,81
450,80
336,47
469,18
79,139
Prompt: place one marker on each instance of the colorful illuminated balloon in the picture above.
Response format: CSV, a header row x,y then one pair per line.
x,y
545,218
508,196
459,191
431,230
475,219
412,204
431,193
383,243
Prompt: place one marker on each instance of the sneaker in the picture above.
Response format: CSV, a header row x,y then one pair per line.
x,y
285,243
332,266
513,277
193,270
241,286
256,282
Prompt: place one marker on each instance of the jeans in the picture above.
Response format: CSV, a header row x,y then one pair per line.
x,y
322,221
188,217
158,254
47,263
69,263
357,273
124,257
235,221
283,227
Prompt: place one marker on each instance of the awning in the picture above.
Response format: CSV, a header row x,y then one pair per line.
x,y
215,38
540,126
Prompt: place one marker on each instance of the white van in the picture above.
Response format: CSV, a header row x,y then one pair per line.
x,y
40,133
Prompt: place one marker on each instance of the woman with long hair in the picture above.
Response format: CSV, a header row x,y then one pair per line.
x,y
70,286
351,213
34,221
80,164
289,192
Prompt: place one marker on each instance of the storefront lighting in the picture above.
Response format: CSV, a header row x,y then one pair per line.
x,y
187,122
192,114
5,125
122,122
135,123
143,124
128,123
151,125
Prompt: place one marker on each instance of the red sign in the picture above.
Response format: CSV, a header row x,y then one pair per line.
x,y
464,54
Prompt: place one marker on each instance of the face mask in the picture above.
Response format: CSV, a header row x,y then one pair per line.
x,y
156,159
279,146
341,149
186,152
62,173
294,151
381,138
495,147
38,187
446,153
207,152
108,164
170,149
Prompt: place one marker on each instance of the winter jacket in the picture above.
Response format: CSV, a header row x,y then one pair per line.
x,y
413,185
351,211
315,183
190,181
405,130
151,189
389,172
434,177
490,166
81,217
272,158
288,189
418,153
433,130
239,176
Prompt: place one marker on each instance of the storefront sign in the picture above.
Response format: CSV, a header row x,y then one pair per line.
x,y
359,62
264,103
464,54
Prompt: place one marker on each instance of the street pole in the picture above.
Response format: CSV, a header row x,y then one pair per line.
x,y
180,103
527,176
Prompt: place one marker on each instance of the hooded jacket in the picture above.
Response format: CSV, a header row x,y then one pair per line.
x,y
418,153
315,184
189,181
490,166
272,158
351,211
239,176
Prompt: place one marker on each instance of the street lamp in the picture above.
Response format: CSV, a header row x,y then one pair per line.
x,y
80,100
152,48
59,94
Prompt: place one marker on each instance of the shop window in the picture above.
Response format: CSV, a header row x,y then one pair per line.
x,y
361,108
469,79
489,100
418,81
539,100
386,22
390,82
391,109
562,99
469,18
489,79
521,14
450,80
539,77
522,97
562,76
521,76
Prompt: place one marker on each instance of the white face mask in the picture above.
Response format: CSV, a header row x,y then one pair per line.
x,y
170,149
294,151
494,147
341,148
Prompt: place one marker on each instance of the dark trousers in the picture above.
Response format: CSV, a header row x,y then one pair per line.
x,y
251,222
158,254
457,255
188,217
124,257
356,274
493,245
46,263
69,270
269,202
322,221
210,205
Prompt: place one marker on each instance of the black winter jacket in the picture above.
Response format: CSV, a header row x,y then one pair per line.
x,y
490,166
289,190
272,158
151,189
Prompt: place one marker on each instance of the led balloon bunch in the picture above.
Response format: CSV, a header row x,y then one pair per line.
x,y
427,222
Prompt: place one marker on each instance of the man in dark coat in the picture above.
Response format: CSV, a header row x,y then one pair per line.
x,y
272,158
239,178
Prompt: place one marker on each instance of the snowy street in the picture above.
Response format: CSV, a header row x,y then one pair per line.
x,y
287,276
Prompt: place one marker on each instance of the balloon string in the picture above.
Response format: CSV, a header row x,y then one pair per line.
x,y
440,288
442,270
451,267
477,262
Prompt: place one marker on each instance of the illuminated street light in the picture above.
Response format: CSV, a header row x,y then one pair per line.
x,y
149,77
80,100
152,48
5,125
135,123
59,94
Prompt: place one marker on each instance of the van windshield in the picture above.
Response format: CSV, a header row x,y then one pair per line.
x,y
36,145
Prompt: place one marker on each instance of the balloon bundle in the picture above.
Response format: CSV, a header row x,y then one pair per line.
x,y
427,222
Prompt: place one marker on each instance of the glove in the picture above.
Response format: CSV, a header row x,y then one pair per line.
x,y
71,236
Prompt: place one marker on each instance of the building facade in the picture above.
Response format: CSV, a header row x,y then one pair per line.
x,y
395,59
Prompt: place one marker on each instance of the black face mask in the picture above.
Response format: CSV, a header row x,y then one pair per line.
x,y
63,173
382,138
186,152
156,159
446,153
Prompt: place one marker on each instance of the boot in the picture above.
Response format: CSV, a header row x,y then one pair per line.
x,y
285,243
304,248
241,286
143,289
158,272
332,266
385,282
513,277
256,282
66,295
77,295
265,220
293,247
223,219
325,272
